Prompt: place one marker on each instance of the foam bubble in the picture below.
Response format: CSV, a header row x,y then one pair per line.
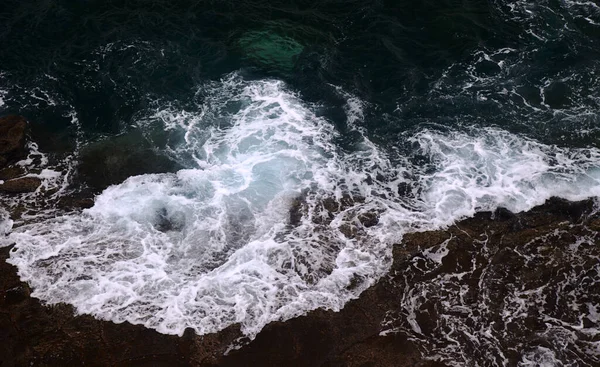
x,y
3,92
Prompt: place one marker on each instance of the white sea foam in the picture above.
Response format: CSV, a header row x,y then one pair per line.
x,y
209,246
214,244
540,357
3,92
486,168
5,224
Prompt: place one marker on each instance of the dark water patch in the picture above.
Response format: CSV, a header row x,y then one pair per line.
x,y
465,59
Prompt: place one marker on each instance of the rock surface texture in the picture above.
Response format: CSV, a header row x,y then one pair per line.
x,y
517,273
12,139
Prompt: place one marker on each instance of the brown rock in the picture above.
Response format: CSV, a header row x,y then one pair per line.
x,y
21,185
16,294
369,219
76,202
32,334
11,172
478,272
12,139
489,256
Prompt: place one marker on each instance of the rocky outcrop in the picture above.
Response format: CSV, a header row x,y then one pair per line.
x,y
32,334
502,288
13,131
12,139
111,161
443,287
14,171
470,294
20,185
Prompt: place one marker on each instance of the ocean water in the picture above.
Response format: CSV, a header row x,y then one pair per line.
x,y
199,127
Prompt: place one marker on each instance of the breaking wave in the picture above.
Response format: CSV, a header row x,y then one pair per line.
x,y
270,218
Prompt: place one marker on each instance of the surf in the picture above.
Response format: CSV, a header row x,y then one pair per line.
x,y
266,221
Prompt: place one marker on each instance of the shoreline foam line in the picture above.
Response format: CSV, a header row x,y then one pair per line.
x,y
213,244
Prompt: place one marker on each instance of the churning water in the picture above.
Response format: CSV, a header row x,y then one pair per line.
x,y
419,114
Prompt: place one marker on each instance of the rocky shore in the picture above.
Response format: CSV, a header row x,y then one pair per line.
x,y
13,130
529,276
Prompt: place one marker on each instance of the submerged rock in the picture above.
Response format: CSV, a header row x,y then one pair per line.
x,y
113,160
12,139
270,49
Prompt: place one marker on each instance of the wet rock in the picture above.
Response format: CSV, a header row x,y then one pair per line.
x,y
486,276
76,202
404,189
12,139
21,185
349,230
503,214
444,288
368,219
326,210
16,294
296,211
575,211
113,160
11,172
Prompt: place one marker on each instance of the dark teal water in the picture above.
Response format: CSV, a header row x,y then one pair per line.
x,y
415,63
427,111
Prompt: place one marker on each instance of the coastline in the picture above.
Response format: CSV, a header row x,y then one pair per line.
x,y
335,183
34,334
